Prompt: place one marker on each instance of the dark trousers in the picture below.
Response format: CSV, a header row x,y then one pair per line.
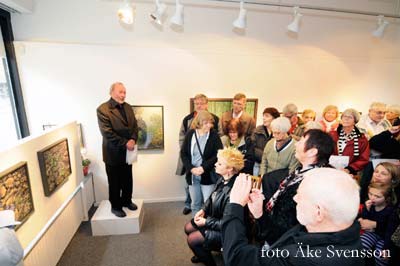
x,y
119,185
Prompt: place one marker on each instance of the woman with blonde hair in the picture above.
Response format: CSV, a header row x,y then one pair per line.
x,y
204,230
393,114
199,154
329,121
308,115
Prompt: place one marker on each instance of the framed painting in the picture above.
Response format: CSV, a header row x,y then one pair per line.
x,y
55,165
150,119
15,192
218,106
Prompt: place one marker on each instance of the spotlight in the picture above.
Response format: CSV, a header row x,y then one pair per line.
x,y
158,14
294,26
240,22
126,12
382,24
177,18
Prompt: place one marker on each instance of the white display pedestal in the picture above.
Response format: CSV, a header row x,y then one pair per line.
x,y
88,197
104,222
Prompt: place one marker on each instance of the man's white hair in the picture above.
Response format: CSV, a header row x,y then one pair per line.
x,y
115,84
290,109
281,124
334,190
377,105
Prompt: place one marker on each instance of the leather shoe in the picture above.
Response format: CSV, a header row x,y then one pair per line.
x,y
186,210
195,259
131,206
118,213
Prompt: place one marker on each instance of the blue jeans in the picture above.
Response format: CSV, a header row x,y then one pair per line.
x,y
188,200
199,192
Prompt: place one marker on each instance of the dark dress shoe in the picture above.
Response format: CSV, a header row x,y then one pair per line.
x,y
195,259
118,213
131,206
186,210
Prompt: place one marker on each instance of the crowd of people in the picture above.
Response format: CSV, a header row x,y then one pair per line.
x,y
309,210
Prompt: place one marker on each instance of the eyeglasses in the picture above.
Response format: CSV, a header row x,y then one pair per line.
x,y
380,112
347,117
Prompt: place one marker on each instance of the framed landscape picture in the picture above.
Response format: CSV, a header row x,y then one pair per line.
x,y
150,119
218,106
55,165
15,192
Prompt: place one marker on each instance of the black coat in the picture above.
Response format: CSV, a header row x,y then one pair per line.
x,y
387,144
259,138
116,131
214,210
270,181
210,156
271,226
237,251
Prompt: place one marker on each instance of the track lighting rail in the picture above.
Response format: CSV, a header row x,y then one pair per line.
x,y
309,7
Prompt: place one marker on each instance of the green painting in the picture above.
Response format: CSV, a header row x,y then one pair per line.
x,y
55,165
218,106
150,121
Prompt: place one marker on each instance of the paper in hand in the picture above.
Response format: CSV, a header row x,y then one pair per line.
x,y
131,156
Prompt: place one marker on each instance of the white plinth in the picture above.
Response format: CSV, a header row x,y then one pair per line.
x,y
104,222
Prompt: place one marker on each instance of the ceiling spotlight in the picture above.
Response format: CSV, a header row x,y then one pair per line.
x,y
177,19
382,23
125,13
240,22
158,14
294,26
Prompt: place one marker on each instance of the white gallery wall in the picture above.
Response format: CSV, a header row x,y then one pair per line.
x,y
49,232
69,52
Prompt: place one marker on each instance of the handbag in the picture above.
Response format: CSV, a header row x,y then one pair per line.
x,y
213,175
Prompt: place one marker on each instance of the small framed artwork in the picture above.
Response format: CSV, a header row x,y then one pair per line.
x,y
150,119
218,106
15,192
55,165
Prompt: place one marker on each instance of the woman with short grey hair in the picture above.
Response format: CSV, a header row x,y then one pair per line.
x,y
279,151
351,142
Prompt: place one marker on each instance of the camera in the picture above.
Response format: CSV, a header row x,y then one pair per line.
x,y
255,181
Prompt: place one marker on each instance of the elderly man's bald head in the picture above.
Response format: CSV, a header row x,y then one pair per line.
x,y
333,191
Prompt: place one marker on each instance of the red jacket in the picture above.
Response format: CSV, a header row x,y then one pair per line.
x,y
355,163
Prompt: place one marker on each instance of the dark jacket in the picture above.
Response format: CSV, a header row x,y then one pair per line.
x,y
185,126
387,144
214,210
356,163
237,251
385,224
270,181
259,138
272,225
116,131
210,156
